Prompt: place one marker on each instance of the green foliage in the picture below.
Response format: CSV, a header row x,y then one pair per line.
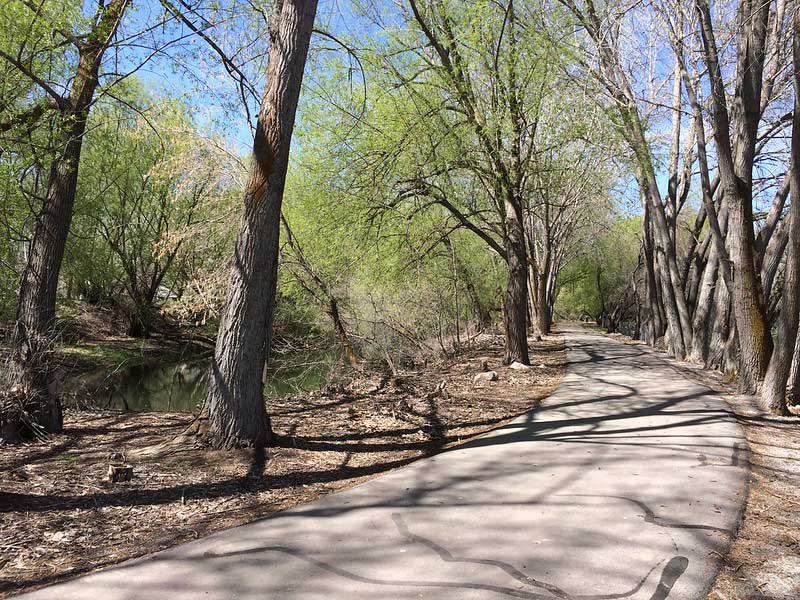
x,y
149,182
600,277
384,159
34,55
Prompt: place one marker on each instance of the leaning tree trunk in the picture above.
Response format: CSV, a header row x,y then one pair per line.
x,y
705,312
36,304
773,396
677,312
516,300
235,403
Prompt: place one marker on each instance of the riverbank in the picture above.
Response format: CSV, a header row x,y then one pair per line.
x,y
61,517
88,339
97,367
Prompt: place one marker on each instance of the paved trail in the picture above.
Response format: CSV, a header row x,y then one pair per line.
x,y
626,483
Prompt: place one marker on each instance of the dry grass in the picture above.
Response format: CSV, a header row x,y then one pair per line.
x,y
60,517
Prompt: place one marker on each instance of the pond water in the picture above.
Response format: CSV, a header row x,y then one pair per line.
x,y
181,387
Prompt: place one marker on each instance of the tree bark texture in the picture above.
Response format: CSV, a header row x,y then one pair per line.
x,y
516,299
235,403
774,391
735,157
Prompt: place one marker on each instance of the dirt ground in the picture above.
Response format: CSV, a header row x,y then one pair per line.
x,y
59,516
764,561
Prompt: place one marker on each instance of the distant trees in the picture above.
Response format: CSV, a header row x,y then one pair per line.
x,y
474,131
661,214
401,286
571,180
294,259
500,123
147,180
603,279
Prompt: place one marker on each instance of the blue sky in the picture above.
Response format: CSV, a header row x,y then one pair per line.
x,y
185,67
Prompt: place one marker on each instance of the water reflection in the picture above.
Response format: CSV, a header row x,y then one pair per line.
x,y
181,387
174,388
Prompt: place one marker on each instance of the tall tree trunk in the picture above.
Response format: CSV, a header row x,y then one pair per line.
x,y
678,318
544,313
539,301
699,259
701,322
678,321
755,343
235,402
773,396
655,319
516,301
720,330
36,304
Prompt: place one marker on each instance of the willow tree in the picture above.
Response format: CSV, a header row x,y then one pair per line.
x,y
505,149
69,101
148,181
468,84
234,406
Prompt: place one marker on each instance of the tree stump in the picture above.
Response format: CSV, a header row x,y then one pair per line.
x,y
119,472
